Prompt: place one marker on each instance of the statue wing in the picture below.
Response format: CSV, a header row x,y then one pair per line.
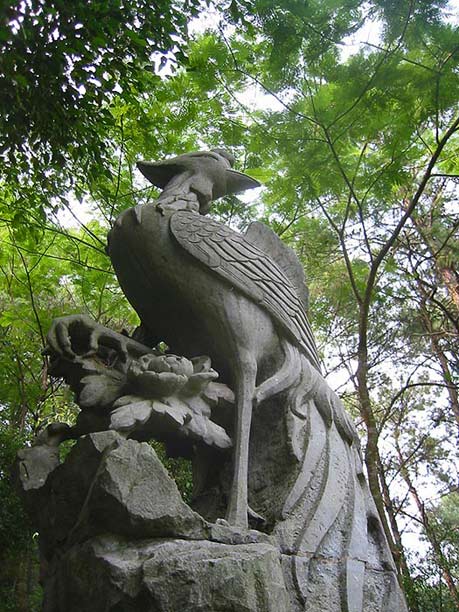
x,y
244,266
284,256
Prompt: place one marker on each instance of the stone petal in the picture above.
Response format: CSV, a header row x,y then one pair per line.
x,y
128,418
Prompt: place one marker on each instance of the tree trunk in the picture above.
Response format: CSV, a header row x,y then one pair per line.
x,y
429,531
372,458
439,354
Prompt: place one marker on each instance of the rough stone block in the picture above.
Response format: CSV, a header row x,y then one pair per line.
x,y
110,574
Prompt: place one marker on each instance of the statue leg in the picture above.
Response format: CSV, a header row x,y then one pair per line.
x,y
246,373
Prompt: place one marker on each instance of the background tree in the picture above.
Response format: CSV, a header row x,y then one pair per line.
x,y
363,149
358,152
62,64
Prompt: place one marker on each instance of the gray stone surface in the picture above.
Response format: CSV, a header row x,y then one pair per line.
x,y
34,465
212,577
270,443
116,535
132,494
107,485
109,573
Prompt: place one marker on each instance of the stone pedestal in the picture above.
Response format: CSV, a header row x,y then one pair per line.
x,y
115,535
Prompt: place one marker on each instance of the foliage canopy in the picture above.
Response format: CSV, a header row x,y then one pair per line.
x,y
356,144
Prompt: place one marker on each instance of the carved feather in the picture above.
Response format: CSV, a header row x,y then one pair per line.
x,y
250,270
269,242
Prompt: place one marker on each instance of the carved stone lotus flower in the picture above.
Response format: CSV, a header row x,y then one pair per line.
x,y
171,393
159,376
154,376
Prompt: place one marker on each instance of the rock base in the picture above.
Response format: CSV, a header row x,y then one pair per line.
x,y
110,573
116,536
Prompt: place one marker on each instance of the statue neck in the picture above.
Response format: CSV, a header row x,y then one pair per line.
x,y
188,202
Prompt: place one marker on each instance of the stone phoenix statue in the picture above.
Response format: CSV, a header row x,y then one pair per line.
x,y
271,432
205,289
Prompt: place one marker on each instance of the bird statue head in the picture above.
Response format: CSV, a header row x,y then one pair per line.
x,y
226,154
193,180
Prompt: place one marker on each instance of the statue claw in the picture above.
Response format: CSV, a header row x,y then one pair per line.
x,y
255,519
67,334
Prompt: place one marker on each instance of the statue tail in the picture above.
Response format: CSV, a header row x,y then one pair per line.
x,y
327,511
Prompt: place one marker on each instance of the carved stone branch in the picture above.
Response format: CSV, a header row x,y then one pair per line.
x,y
123,385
